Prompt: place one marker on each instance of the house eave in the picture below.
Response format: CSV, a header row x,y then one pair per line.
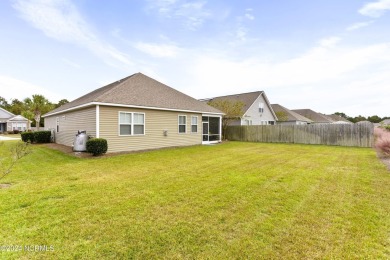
x,y
128,106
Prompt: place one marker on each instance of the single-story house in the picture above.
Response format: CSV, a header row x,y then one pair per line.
x,y
137,113
10,122
385,122
288,117
257,109
339,119
317,118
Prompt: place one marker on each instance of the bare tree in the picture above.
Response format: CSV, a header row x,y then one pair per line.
x,y
282,115
16,152
233,111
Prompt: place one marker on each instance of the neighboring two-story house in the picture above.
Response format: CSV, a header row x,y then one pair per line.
x,y
257,109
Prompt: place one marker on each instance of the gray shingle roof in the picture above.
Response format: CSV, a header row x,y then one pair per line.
x,y
338,118
386,122
291,115
316,117
140,90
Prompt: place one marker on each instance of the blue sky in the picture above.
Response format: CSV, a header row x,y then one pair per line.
x,y
325,55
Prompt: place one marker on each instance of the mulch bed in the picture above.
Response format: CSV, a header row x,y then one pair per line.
x,y
69,150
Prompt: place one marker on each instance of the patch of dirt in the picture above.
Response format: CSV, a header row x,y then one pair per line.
x,y
4,185
68,150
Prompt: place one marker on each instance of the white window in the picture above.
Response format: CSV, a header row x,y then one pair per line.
x,y
131,123
261,107
139,123
57,124
125,123
182,124
194,124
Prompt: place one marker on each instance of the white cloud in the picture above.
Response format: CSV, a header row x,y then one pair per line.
x,y
329,42
158,50
71,63
250,16
17,89
375,9
357,26
60,20
192,13
321,78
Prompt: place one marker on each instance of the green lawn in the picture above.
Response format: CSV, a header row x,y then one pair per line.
x,y
234,200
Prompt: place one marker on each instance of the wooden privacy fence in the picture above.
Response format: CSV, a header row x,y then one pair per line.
x,y
361,135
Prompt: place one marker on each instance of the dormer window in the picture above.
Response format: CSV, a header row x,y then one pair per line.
x,y
261,107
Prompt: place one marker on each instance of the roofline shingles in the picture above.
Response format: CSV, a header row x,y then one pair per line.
x,y
128,91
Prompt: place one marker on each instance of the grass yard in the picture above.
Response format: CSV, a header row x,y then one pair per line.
x,y
234,200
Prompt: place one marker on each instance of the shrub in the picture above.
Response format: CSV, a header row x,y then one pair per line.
x,y
16,131
97,146
382,141
28,137
387,127
384,146
42,136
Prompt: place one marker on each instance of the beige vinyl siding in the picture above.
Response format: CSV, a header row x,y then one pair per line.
x,y
156,121
70,123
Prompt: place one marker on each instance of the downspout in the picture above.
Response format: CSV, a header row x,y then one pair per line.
x,y
220,128
97,121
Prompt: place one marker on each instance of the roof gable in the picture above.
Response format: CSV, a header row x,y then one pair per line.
x,y
142,91
338,118
18,118
291,115
246,98
5,113
316,117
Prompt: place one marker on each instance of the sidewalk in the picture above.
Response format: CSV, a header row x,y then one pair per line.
x,y
4,138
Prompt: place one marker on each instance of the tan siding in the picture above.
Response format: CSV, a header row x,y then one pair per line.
x,y
83,119
155,123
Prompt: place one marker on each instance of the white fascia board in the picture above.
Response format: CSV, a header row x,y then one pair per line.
x,y
266,102
212,115
129,106
269,105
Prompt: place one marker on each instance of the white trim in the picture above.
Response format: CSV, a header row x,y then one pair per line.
x,y
131,124
178,124
97,121
220,129
129,106
197,124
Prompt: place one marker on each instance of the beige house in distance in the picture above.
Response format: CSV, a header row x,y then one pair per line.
x,y
288,117
137,113
317,118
